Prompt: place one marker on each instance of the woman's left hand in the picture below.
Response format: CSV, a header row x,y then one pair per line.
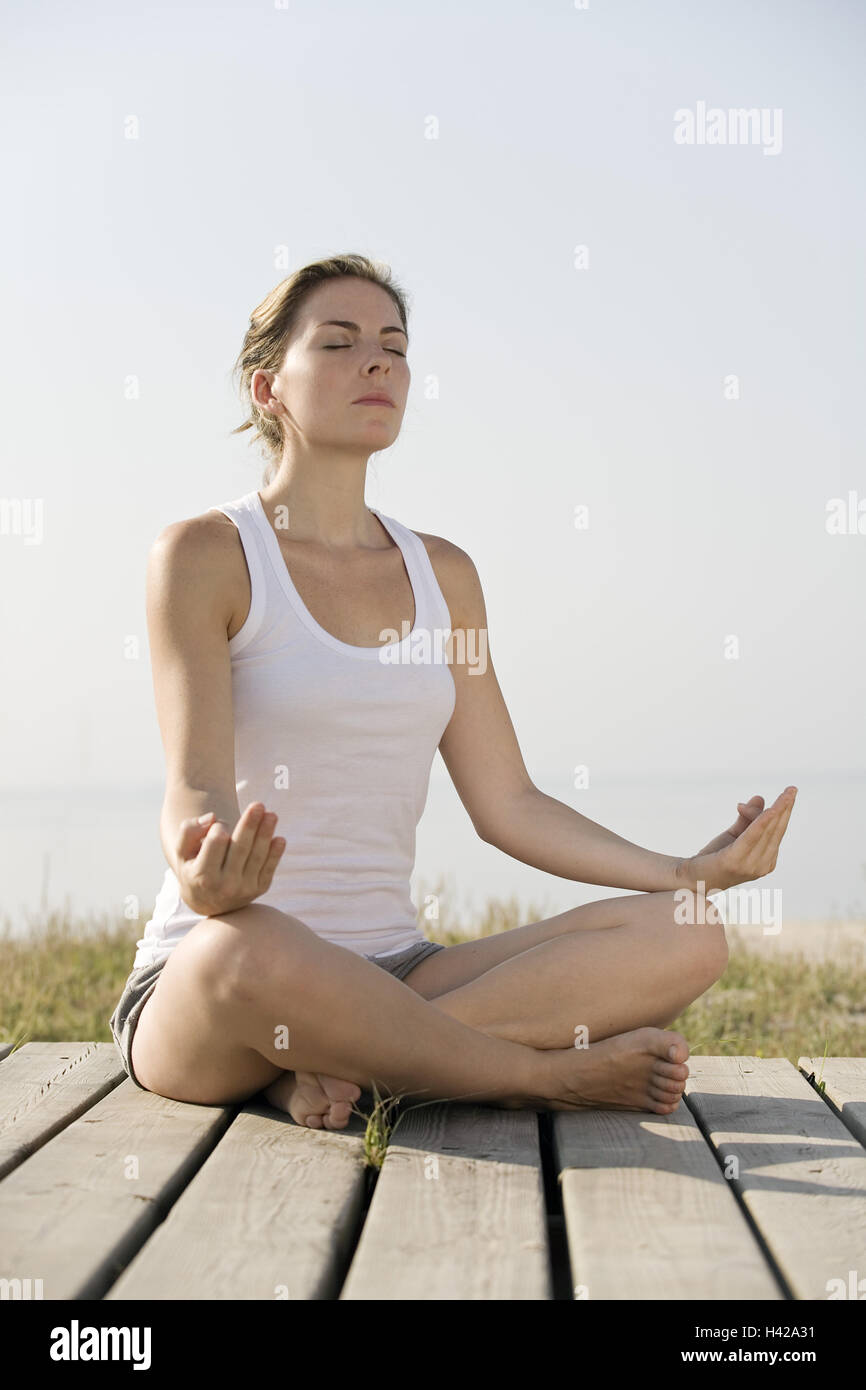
x,y
747,850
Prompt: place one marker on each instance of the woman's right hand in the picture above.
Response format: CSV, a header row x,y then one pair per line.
x,y
219,870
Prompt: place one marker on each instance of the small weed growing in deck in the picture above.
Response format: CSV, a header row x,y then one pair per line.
x,y
378,1131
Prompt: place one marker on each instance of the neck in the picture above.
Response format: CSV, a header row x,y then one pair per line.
x,y
323,502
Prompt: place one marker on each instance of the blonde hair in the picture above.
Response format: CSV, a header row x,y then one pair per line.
x,y
271,322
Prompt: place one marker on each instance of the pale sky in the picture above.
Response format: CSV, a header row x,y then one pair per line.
x,y
474,148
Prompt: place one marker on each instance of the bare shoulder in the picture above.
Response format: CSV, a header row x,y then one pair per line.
x,y
204,553
207,540
458,579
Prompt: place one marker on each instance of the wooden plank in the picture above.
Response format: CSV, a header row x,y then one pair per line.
x,y
272,1214
5,1049
844,1089
799,1172
44,1086
76,1211
458,1211
648,1214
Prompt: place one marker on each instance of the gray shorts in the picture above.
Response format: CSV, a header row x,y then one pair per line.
x,y
142,982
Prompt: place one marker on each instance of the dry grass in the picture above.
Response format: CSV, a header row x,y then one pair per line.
x,y
63,981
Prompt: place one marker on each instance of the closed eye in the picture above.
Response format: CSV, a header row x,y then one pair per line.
x,y
334,347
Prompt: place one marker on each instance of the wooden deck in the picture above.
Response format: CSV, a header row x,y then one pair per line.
x,y
755,1188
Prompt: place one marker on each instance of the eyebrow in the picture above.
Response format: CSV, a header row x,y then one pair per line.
x,y
344,323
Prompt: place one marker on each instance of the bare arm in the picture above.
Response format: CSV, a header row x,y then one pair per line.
x,y
550,835
189,608
188,613
482,754
480,749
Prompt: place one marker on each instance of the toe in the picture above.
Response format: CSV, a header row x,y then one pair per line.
x,y
663,1105
675,1071
674,1043
305,1105
338,1117
662,1042
667,1085
667,1097
337,1090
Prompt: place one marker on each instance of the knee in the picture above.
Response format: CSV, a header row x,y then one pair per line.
x,y
239,952
708,949
715,951
701,947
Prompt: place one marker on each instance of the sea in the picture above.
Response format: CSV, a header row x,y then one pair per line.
x,y
94,852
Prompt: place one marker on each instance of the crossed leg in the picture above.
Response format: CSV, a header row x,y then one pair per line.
x,y
604,968
633,945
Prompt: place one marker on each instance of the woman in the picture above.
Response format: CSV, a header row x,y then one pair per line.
x,y
299,668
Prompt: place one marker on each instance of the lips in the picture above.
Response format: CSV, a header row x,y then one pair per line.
x,y
374,400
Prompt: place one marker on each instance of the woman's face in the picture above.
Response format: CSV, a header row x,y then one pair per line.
x,y
329,366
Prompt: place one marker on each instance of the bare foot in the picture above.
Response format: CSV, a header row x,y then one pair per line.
x,y
319,1102
631,1071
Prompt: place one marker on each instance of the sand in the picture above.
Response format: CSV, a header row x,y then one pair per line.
x,y
817,941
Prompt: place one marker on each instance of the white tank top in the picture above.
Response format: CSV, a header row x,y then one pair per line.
x,y
338,741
